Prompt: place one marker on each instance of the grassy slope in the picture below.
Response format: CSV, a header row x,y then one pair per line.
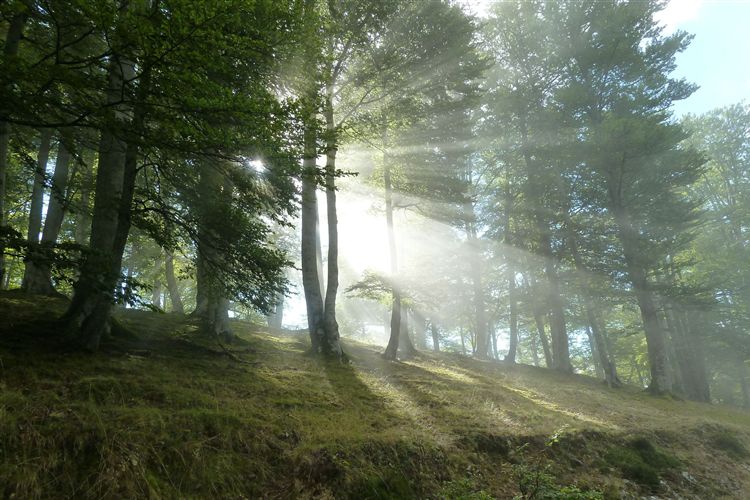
x,y
167,414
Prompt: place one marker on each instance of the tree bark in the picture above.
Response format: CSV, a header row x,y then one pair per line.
x,y
513,302
37,274
661,379
309,250
479,300
88,313
435,336
539,320
406,346
331,345
36,208
156,290
391,350
276,318
10,50
174,291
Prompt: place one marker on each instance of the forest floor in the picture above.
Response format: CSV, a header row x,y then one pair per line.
x,y
163,412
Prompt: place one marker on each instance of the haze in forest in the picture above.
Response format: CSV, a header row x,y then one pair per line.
x,y
553,189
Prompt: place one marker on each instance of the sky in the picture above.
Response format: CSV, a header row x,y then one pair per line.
x,y
717,59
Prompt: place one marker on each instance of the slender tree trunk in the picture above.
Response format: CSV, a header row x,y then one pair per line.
x,y
331,345
513,301
174,291
420,330
406,346
594,353
463,341
661,379
37,274
475,263
539,320
309,264
391,350
35,210
10,50
83,219
435,336
156,290
276,318
534,350
600,348
558,332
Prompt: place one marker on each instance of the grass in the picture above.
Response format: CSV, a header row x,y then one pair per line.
x,y
165,413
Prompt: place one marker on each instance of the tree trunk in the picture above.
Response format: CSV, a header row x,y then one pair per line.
x,y
391,350
156,290
88,313
539,320
37,274
479,301
600,348
435,336
420,330
513,301
309,258
174,291
661,379
594,353
331,345
35,210
406,346
276,318
86,181
689,354
558,332
10,50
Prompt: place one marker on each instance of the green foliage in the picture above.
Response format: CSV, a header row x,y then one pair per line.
x,y
640,461
463,489
730,443
537,483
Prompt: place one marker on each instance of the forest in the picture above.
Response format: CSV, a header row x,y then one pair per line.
x,y
378,193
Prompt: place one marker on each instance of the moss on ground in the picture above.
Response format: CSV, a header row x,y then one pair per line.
x,y
164,412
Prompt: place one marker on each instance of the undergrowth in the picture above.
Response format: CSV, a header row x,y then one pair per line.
x,y
164,412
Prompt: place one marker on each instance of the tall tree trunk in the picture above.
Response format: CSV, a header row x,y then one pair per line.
x,y
435,336
276,318
475,263
420,329
558,332
37,274
406,346
600,347
83,219
539,320
88,313
174,291
661,378
156,290
594,353
10,50
689,353
513,301
391,350
331,345
309,250
36,208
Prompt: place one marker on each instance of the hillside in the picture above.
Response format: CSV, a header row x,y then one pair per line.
x,y
164,413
